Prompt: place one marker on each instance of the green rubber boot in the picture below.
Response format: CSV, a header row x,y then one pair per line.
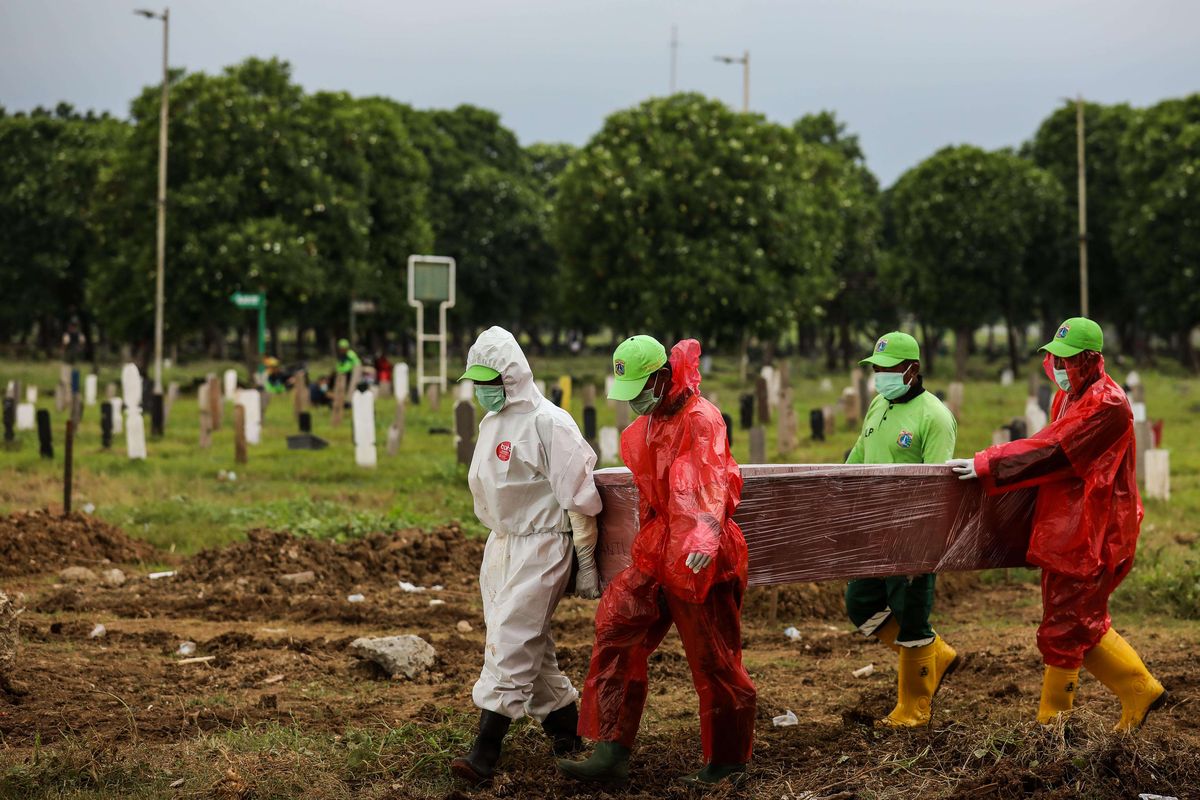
x,y
712,774
608,763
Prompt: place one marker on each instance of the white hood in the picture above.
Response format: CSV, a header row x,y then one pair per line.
x,y
497,349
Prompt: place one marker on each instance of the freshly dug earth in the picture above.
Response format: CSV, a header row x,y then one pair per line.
x,y
281,708
38,541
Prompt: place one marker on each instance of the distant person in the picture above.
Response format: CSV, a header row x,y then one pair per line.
x,y
73,342
383,369
689,570
347,359
531,478
1085,524
905,424
276,379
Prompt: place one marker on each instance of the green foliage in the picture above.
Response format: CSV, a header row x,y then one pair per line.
x,y
682,215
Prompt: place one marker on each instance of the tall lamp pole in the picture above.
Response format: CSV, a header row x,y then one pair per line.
x,y
1083,263
744,60
161,243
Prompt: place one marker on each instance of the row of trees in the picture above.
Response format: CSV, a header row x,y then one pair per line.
x,y
678,216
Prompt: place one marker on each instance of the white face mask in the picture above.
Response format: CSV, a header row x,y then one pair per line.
x,y
891,385
1062,379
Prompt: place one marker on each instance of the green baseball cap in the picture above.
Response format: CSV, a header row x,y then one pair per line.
x,y
344,344
635,360
1074,336
892,349
479,373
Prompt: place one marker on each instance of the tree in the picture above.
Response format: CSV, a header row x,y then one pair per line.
x,y
50,163
1112,288
682,216
970,229
1158,230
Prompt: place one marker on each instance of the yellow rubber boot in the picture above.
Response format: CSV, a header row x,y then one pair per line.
x,y
914,687
1118,666
887,633
1058,693
946,660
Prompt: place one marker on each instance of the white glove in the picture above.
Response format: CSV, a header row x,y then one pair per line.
x,y
697,561
583,536
964,467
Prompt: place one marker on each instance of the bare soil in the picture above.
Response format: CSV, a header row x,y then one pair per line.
x,y
128,709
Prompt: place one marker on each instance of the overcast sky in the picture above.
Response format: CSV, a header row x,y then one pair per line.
x,y
909,76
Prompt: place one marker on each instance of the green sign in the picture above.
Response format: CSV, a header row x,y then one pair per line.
x,y
431,282
248,300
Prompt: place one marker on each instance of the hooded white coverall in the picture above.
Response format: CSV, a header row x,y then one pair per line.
x,y
531,466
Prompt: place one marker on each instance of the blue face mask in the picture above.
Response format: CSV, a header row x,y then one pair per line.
x,y
891,385
1062,379
490,397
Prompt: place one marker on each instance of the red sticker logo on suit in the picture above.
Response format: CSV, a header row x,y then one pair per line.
x,y
504,451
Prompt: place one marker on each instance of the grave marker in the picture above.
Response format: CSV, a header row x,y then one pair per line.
x,y
609,382
830,415
68,459
1043,396
858,382
758,445
118,407
339,399
826,385
203,405
26,416
1035,417
10,420
1143,433
621,412
589,426
395,433
728,430
135,434
610,444
816,424
299,393
131,387
31,395
363,420
400,382
251,400
433,395
556,396
169,402
90,384
785,433
746,409
589,395
60,397
157,413
1158,474
230,384
466,391
762,395
215,407
110,390
850,407
45,443
464,431
565,386
1006,377
239,433
106,424
954,399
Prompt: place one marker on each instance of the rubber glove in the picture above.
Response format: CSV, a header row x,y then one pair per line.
x,y
583,537
964,467
697,561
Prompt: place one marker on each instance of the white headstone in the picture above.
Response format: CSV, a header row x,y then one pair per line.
x,y
26,416
251,400
135,433
466,391
705,364
31,394
400,382
131,387
90,383
362,410
1133,379
771,376
610,445
1035,418
609,380
1139,412
230,383
1006,377
118,413
826,385
1158,474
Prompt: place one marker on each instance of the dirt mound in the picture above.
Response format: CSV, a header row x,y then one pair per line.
x,y
441,556
38,541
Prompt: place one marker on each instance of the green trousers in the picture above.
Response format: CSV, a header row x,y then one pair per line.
x,y
870,601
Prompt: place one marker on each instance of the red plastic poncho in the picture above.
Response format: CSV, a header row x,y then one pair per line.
x,y
1088,512
688,487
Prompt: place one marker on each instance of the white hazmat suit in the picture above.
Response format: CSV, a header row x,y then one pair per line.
x,y
531,468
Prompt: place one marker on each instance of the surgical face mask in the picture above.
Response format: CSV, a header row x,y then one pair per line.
x,y
1062,379
645,403
891,385
490,397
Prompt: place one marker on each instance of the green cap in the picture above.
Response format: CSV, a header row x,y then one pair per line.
x,y
479,373
892,349
635,360
1074,336
344,344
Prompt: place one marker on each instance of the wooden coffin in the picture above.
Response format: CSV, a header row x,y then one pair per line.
x,y
816,522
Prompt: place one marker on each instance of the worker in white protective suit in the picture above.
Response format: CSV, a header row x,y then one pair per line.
x,y
531,477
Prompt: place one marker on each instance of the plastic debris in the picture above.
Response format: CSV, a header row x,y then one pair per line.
x,y
98,632
437,587
1155,796
463,626
792,633
436,602
88,508
411,587
786,719
157,575
863,672
186,648
355,598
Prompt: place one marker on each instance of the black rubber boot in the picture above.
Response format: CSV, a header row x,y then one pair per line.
x,y
479,764
713,774
608,764
561,727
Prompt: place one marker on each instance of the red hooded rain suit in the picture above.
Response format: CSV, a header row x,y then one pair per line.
x,y
1088,512
688,487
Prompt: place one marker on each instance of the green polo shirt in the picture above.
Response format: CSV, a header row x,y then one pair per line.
x,y
919,431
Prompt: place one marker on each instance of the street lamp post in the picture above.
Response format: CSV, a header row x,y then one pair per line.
x,y
744,60
161,243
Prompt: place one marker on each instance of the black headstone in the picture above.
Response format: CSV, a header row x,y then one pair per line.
x,y
156,414
1016,429
816,421
728,429
556,395
75,381
747,409
10,414
1043,396
414,395
589,424
305,422
106,424
43,428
